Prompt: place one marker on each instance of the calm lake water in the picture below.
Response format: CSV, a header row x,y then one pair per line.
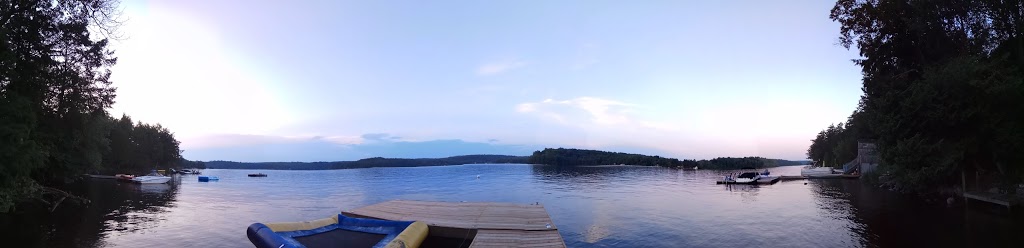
x,y
604,206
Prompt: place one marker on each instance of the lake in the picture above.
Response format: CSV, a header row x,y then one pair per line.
x,y
601,206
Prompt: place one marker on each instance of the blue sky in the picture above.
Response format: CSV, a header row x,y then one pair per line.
x,y
342,80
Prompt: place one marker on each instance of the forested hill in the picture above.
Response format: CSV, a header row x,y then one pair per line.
x,y
943,93
570,157
370,162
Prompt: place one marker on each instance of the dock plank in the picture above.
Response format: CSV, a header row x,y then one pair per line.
x,y
517,238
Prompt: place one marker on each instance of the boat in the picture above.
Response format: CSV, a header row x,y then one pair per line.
x,y
189,172
811,171
152,177
751,178
338,231
124,177
208,178
258,175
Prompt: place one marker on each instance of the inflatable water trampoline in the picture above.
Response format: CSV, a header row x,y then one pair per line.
x,y
338,231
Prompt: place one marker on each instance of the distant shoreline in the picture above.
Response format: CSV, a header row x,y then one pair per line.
x,y
548,156
376,162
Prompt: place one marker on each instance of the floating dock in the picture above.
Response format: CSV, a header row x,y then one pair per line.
x,y
489,224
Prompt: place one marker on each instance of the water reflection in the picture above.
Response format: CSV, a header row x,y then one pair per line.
x,y
115,207
603,206
884,218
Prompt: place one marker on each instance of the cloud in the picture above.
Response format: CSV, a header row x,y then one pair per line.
x,y
499,67
228,140
598,110
277,149
376,136
606,123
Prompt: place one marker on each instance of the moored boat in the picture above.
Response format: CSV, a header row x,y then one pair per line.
x,y
189,172
124,177
751,178
811,171
152,177
338,231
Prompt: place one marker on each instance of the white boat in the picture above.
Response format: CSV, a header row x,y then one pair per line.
x,y
752,178
153,177
811,171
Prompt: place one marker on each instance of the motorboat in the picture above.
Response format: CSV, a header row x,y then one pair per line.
x,y
751,178
152,177
810,171
189,172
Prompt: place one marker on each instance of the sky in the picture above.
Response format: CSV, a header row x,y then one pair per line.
x,y
342,80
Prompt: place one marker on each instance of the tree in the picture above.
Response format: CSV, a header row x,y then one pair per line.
x,y
54,91
943,87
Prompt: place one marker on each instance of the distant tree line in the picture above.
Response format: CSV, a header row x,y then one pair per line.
x,y
137,148
574,157
943,85
55,89
369,162
189,164
729,163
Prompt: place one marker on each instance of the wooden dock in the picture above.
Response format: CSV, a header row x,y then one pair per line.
x,y
832,176
101,176
490,224
1007,201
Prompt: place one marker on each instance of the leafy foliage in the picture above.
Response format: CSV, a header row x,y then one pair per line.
x,y
943,89
54,89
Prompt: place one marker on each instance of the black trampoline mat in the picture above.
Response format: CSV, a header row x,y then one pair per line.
x,y
341,238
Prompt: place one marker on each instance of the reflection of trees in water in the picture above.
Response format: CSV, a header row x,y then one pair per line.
x,y
888,219
115,206
593,177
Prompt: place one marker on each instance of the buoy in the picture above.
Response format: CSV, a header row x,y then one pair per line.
x,y
477,176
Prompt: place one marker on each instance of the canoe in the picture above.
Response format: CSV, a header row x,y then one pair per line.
x,y
338,231
208,178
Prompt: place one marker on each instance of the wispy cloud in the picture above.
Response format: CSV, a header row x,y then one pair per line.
x,y
598,110
499,67
606,122
229,140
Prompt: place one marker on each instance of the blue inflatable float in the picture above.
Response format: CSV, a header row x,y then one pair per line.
x,y
338,231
